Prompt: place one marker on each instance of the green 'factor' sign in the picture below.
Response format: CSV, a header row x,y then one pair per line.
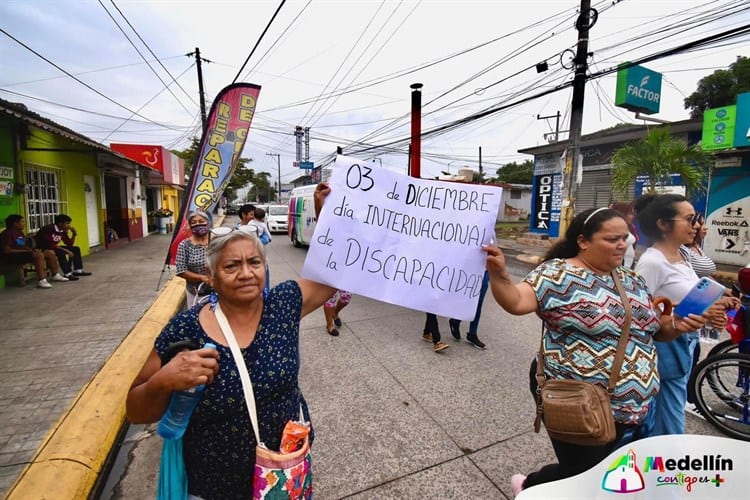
x,y
638,89
718,128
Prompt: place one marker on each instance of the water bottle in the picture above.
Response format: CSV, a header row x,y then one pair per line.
x,y
175,420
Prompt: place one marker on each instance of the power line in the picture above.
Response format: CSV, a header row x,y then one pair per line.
x,y
79,80
152,53
278,39
142,56
86,72
259,40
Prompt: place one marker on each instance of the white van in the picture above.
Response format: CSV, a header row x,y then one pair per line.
x,y
302,215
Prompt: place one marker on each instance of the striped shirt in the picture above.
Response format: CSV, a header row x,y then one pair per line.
x,y
701,263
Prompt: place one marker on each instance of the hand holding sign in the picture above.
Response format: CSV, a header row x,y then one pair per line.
x,y
410,242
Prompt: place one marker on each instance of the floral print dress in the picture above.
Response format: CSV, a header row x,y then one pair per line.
x,y
219,444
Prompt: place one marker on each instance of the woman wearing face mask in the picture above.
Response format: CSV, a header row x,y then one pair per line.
x,y
191,255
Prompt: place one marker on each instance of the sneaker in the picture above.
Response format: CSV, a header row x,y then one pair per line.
x,y
58,277
72,277
455,329
516,483
81,272
44,284
427,337
441,346
693,410
474,340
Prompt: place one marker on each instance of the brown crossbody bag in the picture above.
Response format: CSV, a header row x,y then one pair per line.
x,y
579,412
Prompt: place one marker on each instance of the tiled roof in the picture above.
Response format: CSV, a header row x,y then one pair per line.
x,y
21,112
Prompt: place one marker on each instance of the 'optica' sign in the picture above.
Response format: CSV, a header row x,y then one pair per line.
x,y
638,89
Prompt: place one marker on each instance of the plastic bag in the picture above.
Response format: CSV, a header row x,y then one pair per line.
x,y
293,436
173,483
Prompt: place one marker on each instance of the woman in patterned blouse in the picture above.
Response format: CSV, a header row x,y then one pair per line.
x,y
576,297
219,443
190,261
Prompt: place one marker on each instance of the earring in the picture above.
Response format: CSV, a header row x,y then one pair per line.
x,y
265,294
213,299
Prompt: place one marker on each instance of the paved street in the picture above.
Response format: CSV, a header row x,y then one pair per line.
x,y
394,419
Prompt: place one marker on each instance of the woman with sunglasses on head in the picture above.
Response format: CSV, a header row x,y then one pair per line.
x,y
190,260
575,294
670,221
219,444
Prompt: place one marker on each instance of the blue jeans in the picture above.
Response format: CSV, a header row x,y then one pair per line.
x,y
474,325
675,362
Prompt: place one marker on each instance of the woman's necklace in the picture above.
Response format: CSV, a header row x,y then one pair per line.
x,y
672,254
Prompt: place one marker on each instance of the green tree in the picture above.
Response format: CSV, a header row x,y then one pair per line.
x,y
515,173
720,88
241,177
262,190
658,155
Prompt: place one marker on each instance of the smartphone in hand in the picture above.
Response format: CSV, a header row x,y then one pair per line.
x,y
702,296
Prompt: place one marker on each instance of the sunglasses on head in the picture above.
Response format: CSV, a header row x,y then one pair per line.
x,y
225,230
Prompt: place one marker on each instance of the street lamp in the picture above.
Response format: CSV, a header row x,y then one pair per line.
x,y
278,164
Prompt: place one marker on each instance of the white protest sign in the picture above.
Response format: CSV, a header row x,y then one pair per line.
x,y
409,242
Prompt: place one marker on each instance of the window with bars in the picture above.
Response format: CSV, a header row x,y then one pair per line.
x,y
44,197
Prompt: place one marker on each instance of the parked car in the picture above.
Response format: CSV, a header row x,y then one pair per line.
x,y
231,210
276,218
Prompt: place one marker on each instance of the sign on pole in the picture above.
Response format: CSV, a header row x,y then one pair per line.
x,y
409,242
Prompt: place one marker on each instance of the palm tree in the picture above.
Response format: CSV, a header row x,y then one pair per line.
x,y
658,155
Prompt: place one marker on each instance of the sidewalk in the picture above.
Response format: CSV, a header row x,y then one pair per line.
x,y
53,341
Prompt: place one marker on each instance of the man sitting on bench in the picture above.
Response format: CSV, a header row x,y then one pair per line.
x,y
50,237
15,251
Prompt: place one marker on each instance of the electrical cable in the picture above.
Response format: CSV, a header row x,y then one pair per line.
x,y
152,53
278,39
144,105
259,40
19,42
14,84
143,57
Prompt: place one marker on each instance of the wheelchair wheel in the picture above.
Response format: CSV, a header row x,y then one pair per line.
x,y
719,387
724,347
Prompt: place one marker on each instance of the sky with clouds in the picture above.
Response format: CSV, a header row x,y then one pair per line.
x,y
343,68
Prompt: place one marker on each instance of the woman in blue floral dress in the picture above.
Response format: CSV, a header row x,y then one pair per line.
x,y
219,443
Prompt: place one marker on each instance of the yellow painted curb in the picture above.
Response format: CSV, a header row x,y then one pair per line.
x,y
72,455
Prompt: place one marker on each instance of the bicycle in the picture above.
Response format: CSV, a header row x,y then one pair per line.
x,y
720,384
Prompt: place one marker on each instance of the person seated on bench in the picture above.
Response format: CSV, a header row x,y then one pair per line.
x,y
15,251
49,238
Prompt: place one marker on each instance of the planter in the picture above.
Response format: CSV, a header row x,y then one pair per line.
x,y
162,223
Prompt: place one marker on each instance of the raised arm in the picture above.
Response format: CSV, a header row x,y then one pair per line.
x,y
315,294
517,299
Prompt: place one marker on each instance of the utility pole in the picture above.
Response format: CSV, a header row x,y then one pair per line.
x,y
586,19
201,93
278,164
481,172
415,148
557,124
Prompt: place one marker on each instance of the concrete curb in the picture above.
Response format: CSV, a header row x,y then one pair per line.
x,y
72,455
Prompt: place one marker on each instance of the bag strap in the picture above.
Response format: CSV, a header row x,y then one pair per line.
x,y
247,386
614,374
239,360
